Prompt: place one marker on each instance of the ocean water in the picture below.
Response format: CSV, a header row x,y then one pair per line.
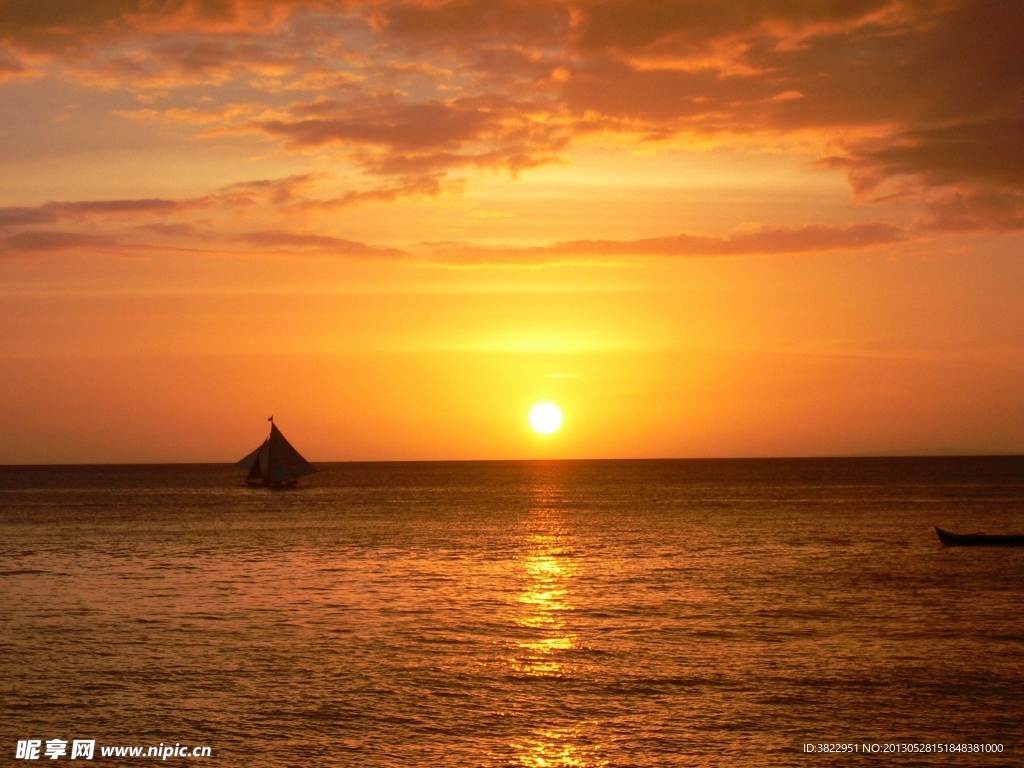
x,y
620,613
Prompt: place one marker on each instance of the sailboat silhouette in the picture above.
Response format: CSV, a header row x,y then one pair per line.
x,y
275,464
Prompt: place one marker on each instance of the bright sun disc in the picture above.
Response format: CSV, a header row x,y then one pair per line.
x,y
545,418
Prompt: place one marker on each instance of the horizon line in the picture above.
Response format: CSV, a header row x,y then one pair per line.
x,y
838,457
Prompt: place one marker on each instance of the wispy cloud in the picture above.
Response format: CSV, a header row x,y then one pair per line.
x,y
762,241
290,242
49,240
149,224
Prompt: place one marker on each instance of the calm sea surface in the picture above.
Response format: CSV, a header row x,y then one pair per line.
x,y
618,613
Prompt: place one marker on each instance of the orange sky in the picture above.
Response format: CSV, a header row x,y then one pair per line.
x,y
703,229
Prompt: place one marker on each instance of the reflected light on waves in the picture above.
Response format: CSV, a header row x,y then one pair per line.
x,y
540,614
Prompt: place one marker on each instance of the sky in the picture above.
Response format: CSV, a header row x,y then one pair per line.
x,y
702,229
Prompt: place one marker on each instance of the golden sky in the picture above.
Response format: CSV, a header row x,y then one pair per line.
x,y
701,228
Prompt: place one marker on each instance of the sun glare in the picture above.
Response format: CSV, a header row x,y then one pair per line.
x,y
545,418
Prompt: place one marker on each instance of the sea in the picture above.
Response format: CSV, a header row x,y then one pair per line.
x,y
790,612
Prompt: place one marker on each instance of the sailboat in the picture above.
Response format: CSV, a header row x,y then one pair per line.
x,y
275,464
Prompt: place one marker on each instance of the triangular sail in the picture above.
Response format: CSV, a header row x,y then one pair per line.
x,y
249,460
275,461
257,462
264,460
284,462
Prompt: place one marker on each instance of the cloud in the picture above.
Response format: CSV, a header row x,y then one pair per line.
x,y
978,209
321,244
185,63
63,211
276,191
921,99
271,192
170,230
970,176
390,136
984,153
218,222
59,24
47,240
13,67
245,243
262,216
19,216
386,121
151,205
762,241
428,186
933,84
220,212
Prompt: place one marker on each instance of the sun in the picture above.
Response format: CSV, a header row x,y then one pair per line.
x,y
545,418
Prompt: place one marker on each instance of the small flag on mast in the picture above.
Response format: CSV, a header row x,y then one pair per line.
x,y
271,418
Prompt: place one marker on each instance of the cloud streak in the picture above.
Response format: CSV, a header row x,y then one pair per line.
x,y
33,241
289,242
126,226
762,241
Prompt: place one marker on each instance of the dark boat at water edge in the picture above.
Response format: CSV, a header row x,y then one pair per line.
x,y
978,539
275,464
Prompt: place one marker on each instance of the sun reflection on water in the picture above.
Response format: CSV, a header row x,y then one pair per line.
x,y
545,645
554,747
544,602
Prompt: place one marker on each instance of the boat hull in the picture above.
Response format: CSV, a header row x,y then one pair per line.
x,y
978,539
278,486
